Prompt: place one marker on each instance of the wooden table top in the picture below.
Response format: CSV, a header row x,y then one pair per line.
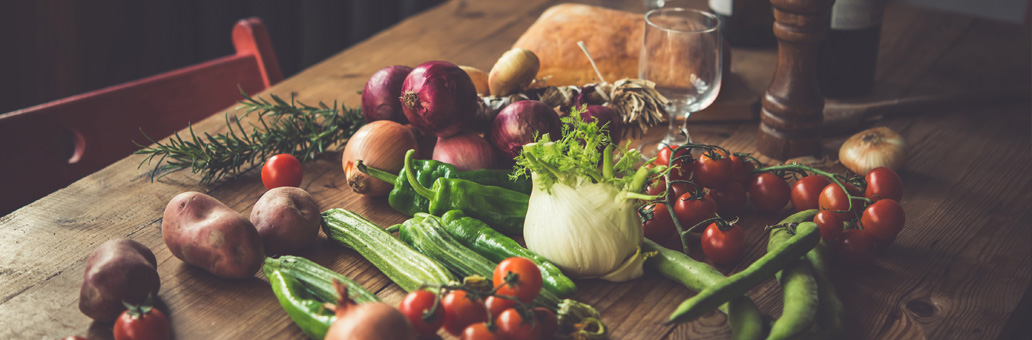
x,y
961,268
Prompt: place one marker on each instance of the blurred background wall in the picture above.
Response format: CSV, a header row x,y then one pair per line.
x,y
50,49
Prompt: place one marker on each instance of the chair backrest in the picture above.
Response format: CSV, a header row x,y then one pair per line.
x,y
46,147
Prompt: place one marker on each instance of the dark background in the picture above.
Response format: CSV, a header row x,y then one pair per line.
x,y
55,49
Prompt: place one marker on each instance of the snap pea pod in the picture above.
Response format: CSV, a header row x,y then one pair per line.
x,y
479,237
743,316
829,311
805,238
302,287
501,208
799,290
405,266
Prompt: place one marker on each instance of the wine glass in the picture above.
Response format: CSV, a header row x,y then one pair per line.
x,y
681,54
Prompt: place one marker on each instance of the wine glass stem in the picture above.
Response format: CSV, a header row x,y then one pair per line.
x,y
677,126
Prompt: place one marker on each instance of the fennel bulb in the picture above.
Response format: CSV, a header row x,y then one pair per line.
x,y
583,216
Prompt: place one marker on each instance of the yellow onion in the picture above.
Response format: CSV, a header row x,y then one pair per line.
x,y
381,144
513,72
479,78
873,148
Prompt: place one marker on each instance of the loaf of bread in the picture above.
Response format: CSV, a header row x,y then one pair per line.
x,y
613,38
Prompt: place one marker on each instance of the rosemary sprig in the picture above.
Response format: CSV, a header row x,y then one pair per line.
x,y
296,128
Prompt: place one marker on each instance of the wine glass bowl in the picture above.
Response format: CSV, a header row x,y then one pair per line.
x,y
681,54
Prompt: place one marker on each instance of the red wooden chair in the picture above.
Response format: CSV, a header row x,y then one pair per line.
x,y
47,147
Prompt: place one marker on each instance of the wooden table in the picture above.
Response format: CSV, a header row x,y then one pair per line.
x,y
961,268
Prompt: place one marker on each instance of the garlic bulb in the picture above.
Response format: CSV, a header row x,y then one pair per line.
x,y
590,230
872,148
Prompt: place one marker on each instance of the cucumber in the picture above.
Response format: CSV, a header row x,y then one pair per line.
x,y
409,269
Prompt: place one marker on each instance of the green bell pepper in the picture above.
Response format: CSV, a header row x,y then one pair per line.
x,y
404,198
501,208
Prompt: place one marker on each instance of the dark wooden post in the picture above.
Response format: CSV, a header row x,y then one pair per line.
x,y
790,121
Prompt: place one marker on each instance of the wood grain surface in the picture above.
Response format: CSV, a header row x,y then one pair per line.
x,y
958,270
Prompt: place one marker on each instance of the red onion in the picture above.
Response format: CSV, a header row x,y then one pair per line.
x,y
604,115
517,124
438,98
382,93
466,151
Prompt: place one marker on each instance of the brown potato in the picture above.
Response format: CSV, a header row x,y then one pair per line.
x,y
202,231
119,270
287,219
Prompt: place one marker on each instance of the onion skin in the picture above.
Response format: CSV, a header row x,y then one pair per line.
x,y
369,321
873,148
439,98
381,144
382,93
479,78
466,151
604,115
517,124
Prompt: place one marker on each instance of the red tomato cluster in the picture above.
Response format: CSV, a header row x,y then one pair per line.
x,y
878,209
465,315
729,183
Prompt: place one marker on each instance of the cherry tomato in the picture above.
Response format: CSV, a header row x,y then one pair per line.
x,y
660,228
415,304
807,190
693,211
143,322
658,186
768,192
479,331
883,183
730,198
884,219
513,326
548,321
856,247
281,170
684,167
529,284
496,305
743,172
460,311
830,224
833,198
722,246
711,172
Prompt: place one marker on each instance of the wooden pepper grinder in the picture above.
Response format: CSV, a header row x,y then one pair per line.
x,y
790,121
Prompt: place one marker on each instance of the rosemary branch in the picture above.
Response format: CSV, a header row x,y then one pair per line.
x,y
301,130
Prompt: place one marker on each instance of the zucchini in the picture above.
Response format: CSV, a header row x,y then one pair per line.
x,y
409,269
425,233
318,280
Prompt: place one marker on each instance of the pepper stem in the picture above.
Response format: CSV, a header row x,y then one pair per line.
x,y
376,173
411,175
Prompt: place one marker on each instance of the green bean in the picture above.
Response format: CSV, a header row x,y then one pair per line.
x,y
798,288
806,237
829,311
743,316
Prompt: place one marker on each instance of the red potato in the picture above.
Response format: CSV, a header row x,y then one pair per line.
x,y
202,231
119,270
287,219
